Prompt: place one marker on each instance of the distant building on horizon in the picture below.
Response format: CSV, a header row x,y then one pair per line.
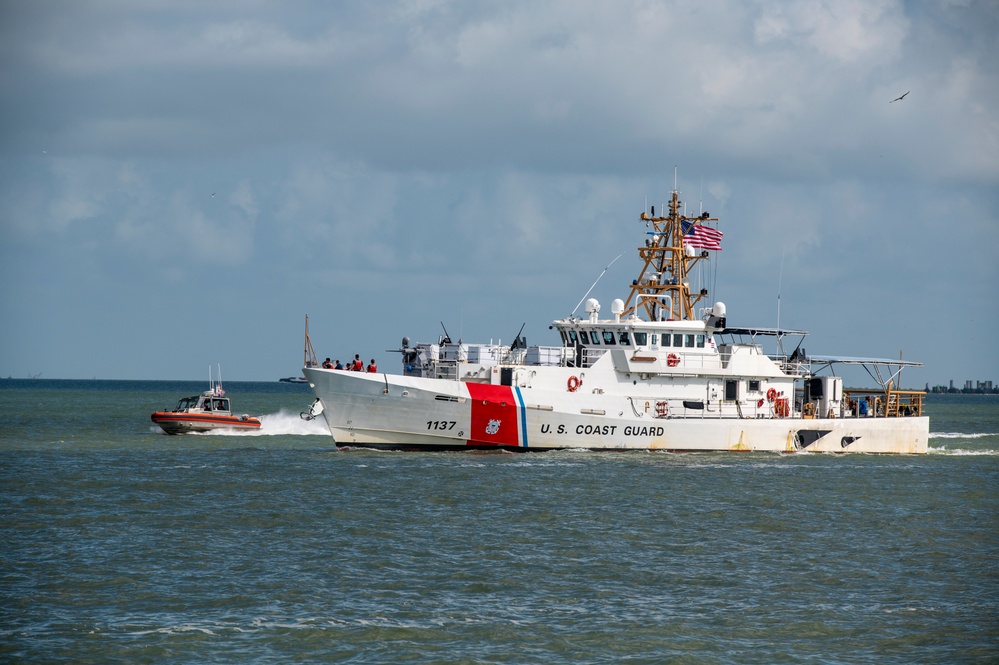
x,y
984,387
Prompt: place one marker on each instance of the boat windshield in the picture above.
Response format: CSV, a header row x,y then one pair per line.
x,y
186,403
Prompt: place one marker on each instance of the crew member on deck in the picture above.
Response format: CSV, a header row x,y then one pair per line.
x,y
358,363
338,365
327,364
372,367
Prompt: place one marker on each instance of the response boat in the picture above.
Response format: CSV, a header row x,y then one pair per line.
x,y
208,411
665,372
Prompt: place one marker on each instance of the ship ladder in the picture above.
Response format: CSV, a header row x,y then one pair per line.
x,y
891,405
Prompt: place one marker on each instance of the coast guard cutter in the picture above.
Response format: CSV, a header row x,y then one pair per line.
x,y
666,371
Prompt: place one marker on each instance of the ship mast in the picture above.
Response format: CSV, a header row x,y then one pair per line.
x,y
663,287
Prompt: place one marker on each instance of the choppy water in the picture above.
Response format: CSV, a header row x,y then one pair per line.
x,y
123,545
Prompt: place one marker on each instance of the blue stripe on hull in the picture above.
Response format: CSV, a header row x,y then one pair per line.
x,y
523,417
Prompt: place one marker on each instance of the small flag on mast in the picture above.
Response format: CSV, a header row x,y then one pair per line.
x,y
703,237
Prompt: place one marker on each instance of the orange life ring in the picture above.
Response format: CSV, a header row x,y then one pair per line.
x,y
672,360
662,409
573,383
771,394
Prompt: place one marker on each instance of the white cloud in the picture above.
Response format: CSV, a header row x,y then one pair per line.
x,y
846,30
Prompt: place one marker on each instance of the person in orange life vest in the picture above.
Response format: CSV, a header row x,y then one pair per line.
x,y
372,367
358,365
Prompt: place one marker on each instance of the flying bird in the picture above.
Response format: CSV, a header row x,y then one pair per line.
x,y
897,99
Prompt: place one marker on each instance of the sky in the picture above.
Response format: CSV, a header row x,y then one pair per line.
x,y
181,183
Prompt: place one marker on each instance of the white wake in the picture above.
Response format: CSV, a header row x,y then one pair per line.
x,y
281,423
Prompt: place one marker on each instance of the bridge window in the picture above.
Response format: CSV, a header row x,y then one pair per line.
x,y
641,339
623,339
609,338
690,341
700,341
594,337
572,337
678,340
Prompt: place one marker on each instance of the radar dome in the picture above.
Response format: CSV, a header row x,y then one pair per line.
x,y
592,305
617,306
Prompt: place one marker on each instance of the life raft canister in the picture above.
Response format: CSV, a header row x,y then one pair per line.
x,y
672,360
573,383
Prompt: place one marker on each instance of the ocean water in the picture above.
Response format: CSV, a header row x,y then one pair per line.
x,y
119,544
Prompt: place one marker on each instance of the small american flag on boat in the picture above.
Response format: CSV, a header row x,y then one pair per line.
x,y
704,237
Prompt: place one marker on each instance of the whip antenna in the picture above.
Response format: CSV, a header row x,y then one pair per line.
x,y
779,280
594,284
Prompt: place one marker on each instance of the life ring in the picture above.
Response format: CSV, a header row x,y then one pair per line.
x,y
573,383
771,395
672,360
662,409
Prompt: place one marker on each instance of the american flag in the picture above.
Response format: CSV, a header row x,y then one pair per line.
x,y
704,237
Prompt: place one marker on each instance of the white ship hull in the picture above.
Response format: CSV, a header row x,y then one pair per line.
x,y
381,410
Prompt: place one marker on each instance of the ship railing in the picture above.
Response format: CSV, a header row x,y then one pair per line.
x,y
691,407
592,355
450,366
533,356
444,369
792,367
693,361
885,403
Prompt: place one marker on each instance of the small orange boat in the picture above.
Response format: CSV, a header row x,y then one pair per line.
x,y
208,411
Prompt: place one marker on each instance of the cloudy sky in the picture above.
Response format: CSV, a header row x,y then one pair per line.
x,y
182,182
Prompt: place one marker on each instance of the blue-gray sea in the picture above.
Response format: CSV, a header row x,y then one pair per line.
x,y
119,544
